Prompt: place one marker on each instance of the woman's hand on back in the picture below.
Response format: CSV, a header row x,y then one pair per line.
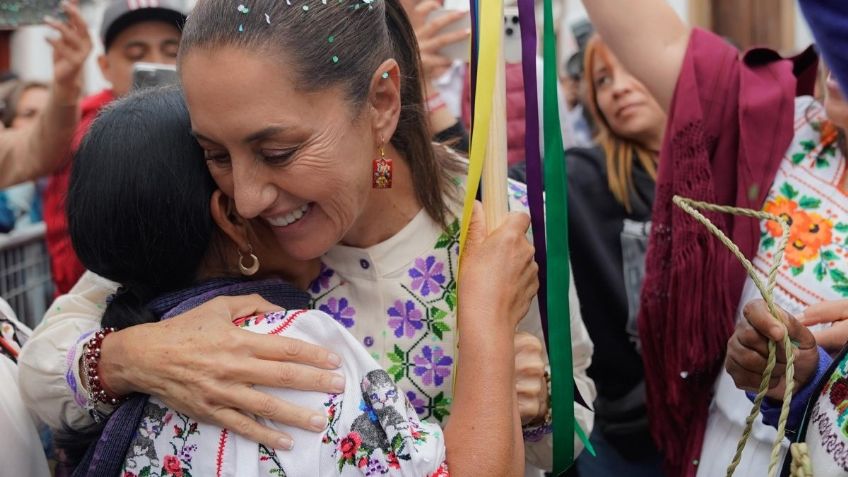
x,y
202,365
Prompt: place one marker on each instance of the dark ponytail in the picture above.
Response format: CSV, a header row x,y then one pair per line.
x,y
365,34
138,213
138,202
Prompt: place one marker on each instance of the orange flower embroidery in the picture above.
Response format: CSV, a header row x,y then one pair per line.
x,y
781,207
807,235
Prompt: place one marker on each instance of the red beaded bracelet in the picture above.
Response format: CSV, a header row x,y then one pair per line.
x,y
91,359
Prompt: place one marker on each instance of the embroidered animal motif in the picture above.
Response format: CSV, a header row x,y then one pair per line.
x,y
381,422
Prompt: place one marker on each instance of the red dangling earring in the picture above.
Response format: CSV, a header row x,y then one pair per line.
x,y
382,178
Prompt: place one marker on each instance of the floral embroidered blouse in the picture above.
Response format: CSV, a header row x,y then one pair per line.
x,y
372,428
807,191
397,298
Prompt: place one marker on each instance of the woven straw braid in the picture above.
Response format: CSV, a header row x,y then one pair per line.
x,y
692,208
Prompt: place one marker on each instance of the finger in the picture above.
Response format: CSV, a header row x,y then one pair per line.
x,y
437,24
825,312
756,312
746,358
63,28
283,349
60,49
747,380
477,228
427,6
293,376
248,428
434,61
75,19
260,404
833,338
749,338
440,41
245,305
528,408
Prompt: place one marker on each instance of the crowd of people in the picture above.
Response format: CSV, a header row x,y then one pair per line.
x,y
256,266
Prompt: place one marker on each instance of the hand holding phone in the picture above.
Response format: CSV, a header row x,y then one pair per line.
x,y
70,51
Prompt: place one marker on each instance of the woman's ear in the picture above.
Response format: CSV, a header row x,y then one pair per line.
x,y
385,98
229,221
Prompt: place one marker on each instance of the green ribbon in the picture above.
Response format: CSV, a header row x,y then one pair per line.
x,y
559,273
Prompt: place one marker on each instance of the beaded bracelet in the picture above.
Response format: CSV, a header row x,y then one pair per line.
x,y
91,365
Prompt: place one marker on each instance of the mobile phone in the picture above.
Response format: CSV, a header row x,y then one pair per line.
x,y
150,75
16,13
460,50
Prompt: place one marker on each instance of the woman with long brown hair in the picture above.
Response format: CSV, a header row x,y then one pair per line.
x,y
611,192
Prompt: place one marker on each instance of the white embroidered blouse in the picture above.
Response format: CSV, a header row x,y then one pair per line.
x,y
372,429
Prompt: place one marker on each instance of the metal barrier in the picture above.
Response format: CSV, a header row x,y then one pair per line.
x,y
25,280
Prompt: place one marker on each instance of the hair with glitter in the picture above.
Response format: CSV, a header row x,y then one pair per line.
x,y
329,43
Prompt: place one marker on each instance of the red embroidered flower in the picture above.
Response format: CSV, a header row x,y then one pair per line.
x,y
393,461
129,474
193,428
172,466
415,434
363,462
350,444
442,471
177,431
839,392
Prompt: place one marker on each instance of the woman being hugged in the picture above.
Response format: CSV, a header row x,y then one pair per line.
x,y
324,96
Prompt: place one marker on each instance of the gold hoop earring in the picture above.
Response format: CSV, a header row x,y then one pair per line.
x,y
253,268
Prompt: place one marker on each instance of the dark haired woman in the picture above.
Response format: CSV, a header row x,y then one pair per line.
x,y
145,213
323,91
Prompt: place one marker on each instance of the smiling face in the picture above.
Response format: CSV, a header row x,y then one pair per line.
x,y
624,102
299,161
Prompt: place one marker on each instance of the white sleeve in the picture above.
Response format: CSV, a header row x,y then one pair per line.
x,y
49,376
20,449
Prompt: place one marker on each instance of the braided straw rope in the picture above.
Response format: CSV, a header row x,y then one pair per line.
x,y
766,290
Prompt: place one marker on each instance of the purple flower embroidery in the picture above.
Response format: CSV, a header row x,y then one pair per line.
x,y
340,311
405,319
323,280
274,317
417,403
427,275
432,365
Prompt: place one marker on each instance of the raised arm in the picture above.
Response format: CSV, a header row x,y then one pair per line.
x,y
647,36
39,150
